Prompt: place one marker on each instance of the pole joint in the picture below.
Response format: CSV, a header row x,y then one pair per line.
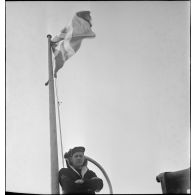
x,y
49,36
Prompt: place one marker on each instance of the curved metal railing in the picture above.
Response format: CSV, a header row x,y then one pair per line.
x,y
103,171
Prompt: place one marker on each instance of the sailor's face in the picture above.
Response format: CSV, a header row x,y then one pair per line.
x,y
77,159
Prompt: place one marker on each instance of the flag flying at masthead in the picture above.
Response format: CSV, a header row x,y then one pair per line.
x,y
69,40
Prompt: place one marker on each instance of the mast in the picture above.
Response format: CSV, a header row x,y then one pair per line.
x,y
53,133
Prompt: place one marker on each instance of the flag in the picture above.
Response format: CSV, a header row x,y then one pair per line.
x,y
67,43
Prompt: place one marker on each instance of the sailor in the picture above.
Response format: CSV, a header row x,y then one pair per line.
x,y
77,178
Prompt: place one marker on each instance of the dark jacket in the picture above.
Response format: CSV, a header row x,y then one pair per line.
x,y
67,177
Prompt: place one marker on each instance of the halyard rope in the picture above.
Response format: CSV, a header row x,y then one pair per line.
x,y
58,106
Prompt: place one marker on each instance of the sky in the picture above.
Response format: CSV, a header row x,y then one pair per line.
x,y
125,94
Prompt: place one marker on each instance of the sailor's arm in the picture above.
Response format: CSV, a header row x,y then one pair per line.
x,y
66,183
94,183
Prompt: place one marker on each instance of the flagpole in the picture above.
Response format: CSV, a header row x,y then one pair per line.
x,y
53,133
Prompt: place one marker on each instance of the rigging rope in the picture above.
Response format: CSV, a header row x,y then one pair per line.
x,y
58,105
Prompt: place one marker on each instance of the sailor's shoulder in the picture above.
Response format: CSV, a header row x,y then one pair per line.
x,y
90,172
64,170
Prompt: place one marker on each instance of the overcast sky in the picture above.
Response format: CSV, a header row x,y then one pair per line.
x,y
125,94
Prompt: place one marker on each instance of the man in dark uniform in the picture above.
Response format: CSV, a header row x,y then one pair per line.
x,y
77,178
